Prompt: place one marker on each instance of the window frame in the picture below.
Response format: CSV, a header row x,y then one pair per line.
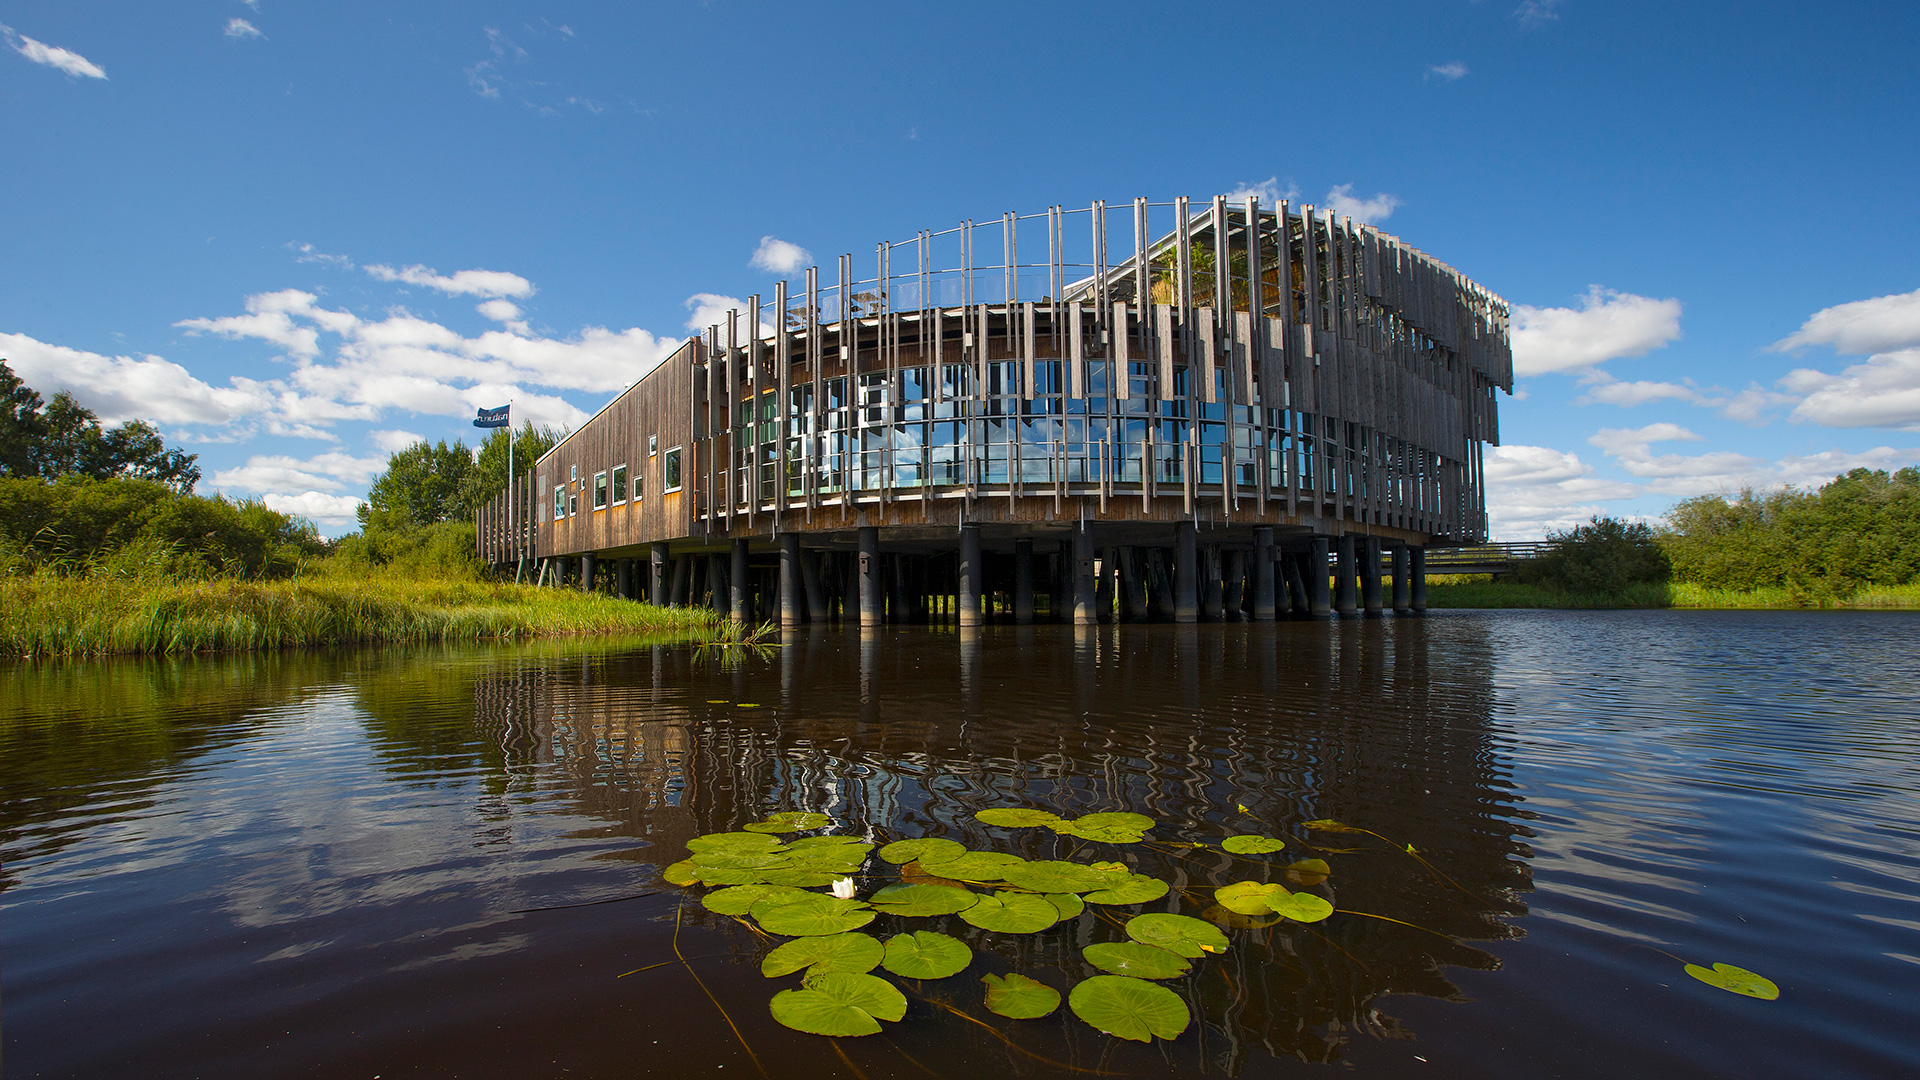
x,y
600,490
559,502
653,445
669,466
617,479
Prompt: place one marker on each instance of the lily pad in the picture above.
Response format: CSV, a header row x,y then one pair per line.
x,y
740,899
683,872
1010,817
1069,904
752,840
1300,907
789,821
1133,958
906,851
1736,980
1249,844
720,875
799,878
810,915
1183,934
1308,872
1110,834
1117,820
924,954
829,841
1248,897
1012,913
921,901
738,858
1056,877
1230,920
973,866
850,952
1328,825
1129,1008
1017,997
1136,889
839,1004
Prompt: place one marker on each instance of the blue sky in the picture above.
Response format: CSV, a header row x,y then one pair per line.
x,y
297,235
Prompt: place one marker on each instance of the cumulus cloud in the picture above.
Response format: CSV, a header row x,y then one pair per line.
x,y
1678,474
1882,324
463,283
307,253
121,388
331,471
1881,391
395,440
1531,489
711,309
1341,201
270,317
1535,12
1269,192
52,55
1447,72
777,256
1606,326
320,508
1628,394
241,28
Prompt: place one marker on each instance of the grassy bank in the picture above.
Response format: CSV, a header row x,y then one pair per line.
x,y
50,615
1478,591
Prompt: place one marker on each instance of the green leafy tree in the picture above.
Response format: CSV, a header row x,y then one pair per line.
x,y
64,438
489,473
422,486
1606,555
1858,530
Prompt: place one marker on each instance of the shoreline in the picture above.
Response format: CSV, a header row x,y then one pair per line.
x,y
1496,595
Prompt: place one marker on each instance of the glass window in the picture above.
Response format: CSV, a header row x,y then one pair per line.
x,y
653,445
639,485
573,503
559,502
620,483
672,470
599,491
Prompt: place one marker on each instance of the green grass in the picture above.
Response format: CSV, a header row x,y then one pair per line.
x,y
51,615
1478,591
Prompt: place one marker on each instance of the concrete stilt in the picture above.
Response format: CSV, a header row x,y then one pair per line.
x,y
1417,575
867,570
1263,600
657,579
1297,601
1402,593
1186,573
790,579
740,608
1023,581
1346,599
1370,575
1316,571
1234,588
589,567
1084,613
717,585
970,575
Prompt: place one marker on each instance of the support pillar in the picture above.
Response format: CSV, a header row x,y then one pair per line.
x,y
1234,589
657,581
1213,568
1023,581
1417,573
1060,599
1084,613
1103,590
867,570
1263,574
717,585
588,568
623,579
968,590
1133,582
1402,593
790,579
1346,598
1186,573
1316,569
1370,575
682,582
741,607
1297,603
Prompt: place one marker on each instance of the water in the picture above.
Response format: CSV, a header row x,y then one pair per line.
x,y
328,865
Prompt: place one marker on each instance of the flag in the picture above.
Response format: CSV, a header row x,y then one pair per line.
x,y
493,417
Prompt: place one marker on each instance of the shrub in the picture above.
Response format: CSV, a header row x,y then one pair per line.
x,y
1606,555
144,529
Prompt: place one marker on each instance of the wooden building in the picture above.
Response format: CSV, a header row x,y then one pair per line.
x,y
1249,401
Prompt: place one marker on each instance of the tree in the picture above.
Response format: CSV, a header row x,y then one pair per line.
x,y
422,486
489,474
64,438
1605,555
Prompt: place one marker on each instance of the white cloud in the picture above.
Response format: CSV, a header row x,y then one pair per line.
x,y
241,28
1607,325
1447,72
52,55
710,309
1269,192
395,440
1629,394
482,80
331,471
1881,391
463,283
306,253
270,317
121,388
1535,12
320,508
1812,470
1678,474
1882,324
1750,406
1377,209
1531,489
777,256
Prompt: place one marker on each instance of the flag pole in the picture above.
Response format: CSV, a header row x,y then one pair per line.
x,y
519,544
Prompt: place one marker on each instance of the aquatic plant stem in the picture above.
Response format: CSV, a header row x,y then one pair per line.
x,y
677,913
855,1069
1011,1045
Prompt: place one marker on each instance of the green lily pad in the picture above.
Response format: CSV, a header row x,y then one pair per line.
x,y
825,860
850,952
719,875
921,901
1016,817
1328,825
1300,907
1248,897
1135,959
797,878
1069,904
1105,834
973,866
1012,913
1129,1008
1056,877
1308,872
753,841
840,1004
1017,997
1136,889
924,954
1249,844
829,841
1736,980
1117,820
1183,934
810,915
740,899
683,872
738,859
906,851
789,821
1231,920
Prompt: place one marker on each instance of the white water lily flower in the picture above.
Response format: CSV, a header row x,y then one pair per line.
x,y
843,888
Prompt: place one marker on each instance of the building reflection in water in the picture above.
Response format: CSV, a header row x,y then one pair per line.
x,y
1387,725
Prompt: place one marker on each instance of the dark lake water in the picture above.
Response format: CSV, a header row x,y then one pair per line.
x,y
327,865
